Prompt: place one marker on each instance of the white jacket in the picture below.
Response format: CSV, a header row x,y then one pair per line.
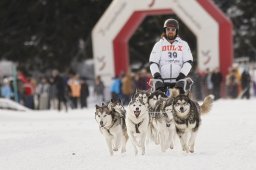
x,y
170,59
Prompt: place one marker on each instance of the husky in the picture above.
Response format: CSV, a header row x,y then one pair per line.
x,y
141,95
154,97
161,128
169,125
155,116
137,120
110,126
186,114
117,107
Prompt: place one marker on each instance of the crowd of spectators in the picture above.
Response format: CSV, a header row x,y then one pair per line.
x,y
71,91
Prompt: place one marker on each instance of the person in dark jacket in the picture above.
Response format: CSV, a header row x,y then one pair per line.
x,y
99,89
246,84
60,89
216,81
84,93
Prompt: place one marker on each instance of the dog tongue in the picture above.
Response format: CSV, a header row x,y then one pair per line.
x,y
137,113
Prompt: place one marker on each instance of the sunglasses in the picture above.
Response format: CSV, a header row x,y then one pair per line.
x,y
170,29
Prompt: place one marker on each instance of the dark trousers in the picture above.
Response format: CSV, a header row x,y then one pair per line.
x,y
83,101
62,99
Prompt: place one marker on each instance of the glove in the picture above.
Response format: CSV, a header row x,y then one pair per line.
x,y
159,85
180,76
157,76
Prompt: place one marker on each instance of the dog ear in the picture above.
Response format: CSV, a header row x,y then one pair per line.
x,y
97,107
133,95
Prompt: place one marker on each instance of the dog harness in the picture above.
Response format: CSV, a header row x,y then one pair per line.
x,y
108,129
137,126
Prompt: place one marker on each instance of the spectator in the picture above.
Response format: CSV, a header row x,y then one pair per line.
x,y
75,90
116,88
141,80
42,92
52,94
6,91
29,94
232,84
245,84
254,83
237,73
208,82
99,88
84,93
61,89
197,86
216,81
127,88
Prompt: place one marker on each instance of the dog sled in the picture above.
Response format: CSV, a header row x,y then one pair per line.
x,y
164,84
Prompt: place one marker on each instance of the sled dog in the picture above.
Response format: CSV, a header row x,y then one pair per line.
x,y
169,130
186,114
161,126
110,126
117,107
155,114
141,95
137,120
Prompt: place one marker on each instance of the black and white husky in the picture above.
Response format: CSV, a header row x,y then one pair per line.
x,y
169,127
141,95
137,120
110,126
161,126
186,113
116,106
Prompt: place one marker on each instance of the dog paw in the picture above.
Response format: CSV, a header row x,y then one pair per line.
x,y
115,149
185,148
191,150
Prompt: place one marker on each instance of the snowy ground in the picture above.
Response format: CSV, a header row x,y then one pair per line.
x,y
52,140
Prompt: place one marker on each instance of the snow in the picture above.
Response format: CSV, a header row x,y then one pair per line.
x,y
52,140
